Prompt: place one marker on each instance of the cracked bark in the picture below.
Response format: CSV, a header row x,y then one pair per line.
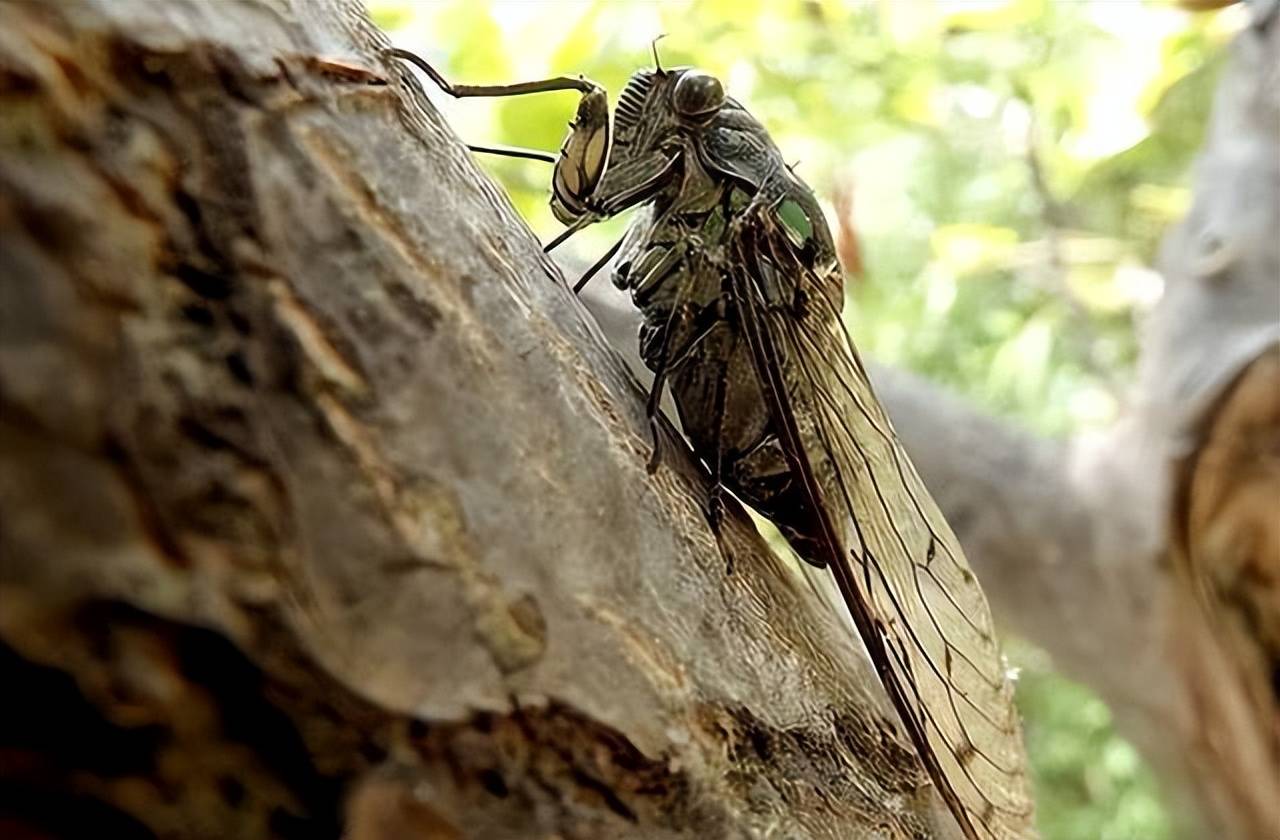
x,y
322,504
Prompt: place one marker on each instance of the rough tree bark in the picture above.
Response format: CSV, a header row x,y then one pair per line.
x,y
322,502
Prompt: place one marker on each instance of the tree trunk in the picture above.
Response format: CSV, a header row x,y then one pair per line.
x,y
322,503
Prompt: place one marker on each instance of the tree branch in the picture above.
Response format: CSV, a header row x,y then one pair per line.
x,y
314,471
1090,548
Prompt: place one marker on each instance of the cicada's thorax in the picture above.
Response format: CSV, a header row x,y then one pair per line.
x,y
674,267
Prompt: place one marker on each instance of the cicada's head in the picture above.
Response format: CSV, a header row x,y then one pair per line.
x,y
696,95
655,103
652,109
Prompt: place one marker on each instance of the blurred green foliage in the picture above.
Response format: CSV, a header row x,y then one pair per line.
x,y
1090,783
1012,165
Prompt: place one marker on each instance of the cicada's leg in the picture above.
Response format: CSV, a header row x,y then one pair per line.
x,y
581,222
344,70
680,316
621,188
583,156
515,152
517,89
700,324
715,504
658,266
651,411
599,264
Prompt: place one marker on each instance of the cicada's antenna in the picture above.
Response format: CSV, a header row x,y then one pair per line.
x,y
653,46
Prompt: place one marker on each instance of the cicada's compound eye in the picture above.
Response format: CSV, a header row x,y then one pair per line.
x,y
697,94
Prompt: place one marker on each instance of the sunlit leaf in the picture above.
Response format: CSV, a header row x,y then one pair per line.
x,y
390,15
966,248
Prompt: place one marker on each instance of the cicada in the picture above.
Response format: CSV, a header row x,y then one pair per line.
x,y
735,272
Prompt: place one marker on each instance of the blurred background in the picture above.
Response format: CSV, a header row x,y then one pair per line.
x,y
1000,174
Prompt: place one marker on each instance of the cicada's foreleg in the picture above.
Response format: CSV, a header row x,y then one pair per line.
x,y
631,183
621,188
698,324
515,152
577,83
583,156
517,89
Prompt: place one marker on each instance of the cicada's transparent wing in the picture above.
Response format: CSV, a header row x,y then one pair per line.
x,y
924,618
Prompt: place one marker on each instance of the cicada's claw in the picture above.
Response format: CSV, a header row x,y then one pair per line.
x,y
655,457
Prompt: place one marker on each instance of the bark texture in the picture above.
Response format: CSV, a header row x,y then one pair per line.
x,y
322,502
